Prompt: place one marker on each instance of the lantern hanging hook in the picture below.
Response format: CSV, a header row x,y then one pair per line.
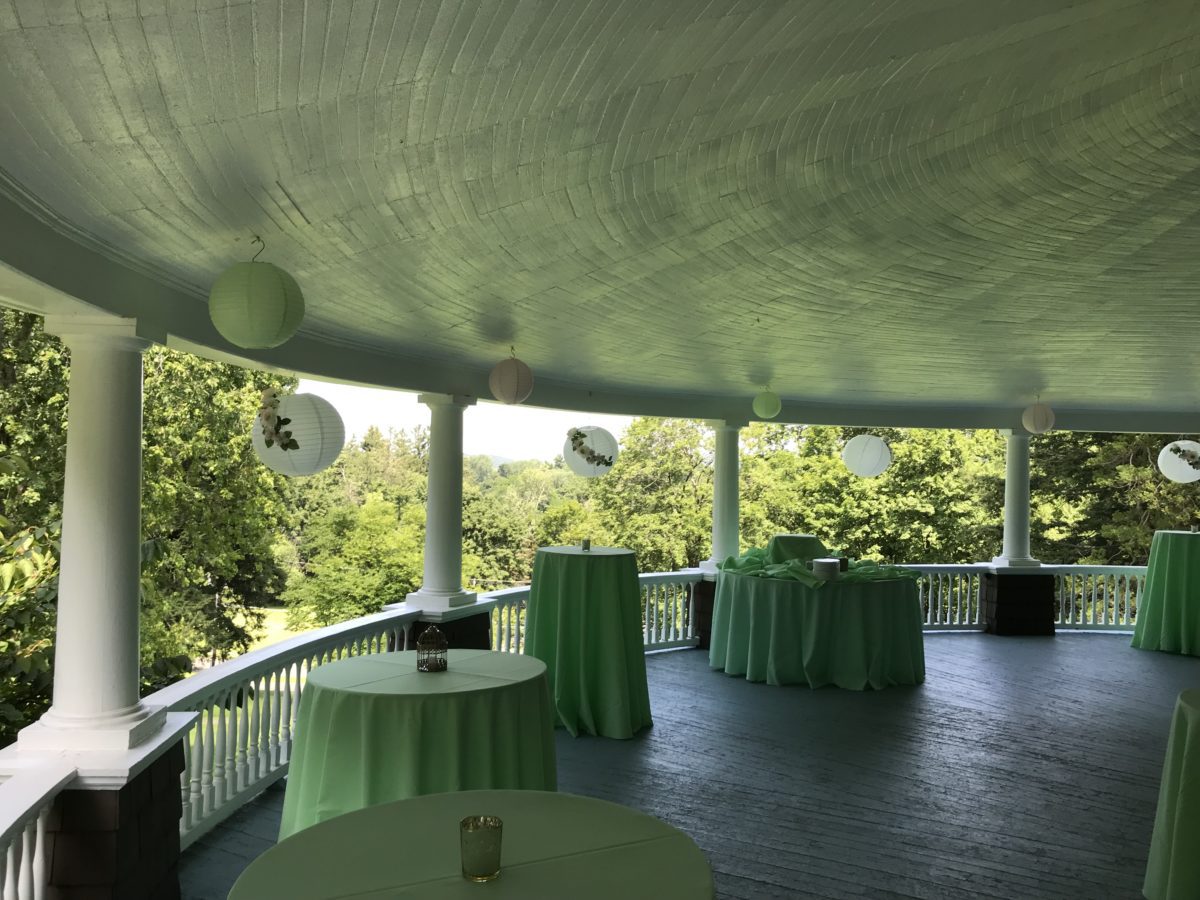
x,y
262,245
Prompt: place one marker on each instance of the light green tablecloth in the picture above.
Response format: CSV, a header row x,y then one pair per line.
x,y
1173,870
372,729
585,622
1168,615
784,547
554,846
854,635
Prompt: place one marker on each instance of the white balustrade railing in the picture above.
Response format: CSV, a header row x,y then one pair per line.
x,y
247,706
1097,598
25,802
950,596
668,611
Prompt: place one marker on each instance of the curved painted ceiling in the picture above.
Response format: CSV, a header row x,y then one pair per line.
x,y
919,212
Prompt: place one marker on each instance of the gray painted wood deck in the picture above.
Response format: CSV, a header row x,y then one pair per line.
x,y
1024,768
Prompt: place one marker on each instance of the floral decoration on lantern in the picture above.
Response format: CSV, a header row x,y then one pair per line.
x,y
298,434
273,427
432,650
589,451
511,381
1179,461
256,305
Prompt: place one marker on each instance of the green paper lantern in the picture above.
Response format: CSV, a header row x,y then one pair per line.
x,y
767,405
256,305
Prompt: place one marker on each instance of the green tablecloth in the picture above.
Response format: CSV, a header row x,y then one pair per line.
x,y
854,635
585,623
372,729
554,846
784,547
1168,615
1173,870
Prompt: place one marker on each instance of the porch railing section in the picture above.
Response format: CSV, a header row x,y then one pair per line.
x,y
668,610
950,596
25,802
242,740
1097,598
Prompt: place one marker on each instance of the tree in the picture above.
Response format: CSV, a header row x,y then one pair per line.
x,y
657,499
354,561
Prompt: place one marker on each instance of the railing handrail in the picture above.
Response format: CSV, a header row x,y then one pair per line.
x,y
235,670
26,792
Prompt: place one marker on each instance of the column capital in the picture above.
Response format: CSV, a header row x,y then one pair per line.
x,y
123,334
732,424
462,401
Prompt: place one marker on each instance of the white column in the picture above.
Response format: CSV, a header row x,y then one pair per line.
x,y
725,494
96,659
1016,504
441,587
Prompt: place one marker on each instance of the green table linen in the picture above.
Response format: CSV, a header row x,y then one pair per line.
x,y
785,547
553,846
585,623
372,729
854,634
1173,869
1168,615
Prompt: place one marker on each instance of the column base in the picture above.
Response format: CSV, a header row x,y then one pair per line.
x,y
122,730
1004,562
435,600
710,565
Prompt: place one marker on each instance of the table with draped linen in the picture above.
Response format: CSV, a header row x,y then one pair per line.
x,y
789,627
1173,867
372,729
553,845
584,622
1168,614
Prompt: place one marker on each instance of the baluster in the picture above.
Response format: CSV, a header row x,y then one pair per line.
x,y
206,770
285,715
219,741
675,607
258,744
185,786
295,707
195,771
28,854
645,616
41,866
14,869
243,738
273,722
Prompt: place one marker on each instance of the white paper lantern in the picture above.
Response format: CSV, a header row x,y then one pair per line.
x,y
596,442
767,405
511,381
315,426
1176,468
1038,418
866,455
256,305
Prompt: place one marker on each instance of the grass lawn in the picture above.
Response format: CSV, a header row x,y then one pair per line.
x,y
274,628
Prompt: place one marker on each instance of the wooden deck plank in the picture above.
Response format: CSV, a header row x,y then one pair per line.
x,y
1023,768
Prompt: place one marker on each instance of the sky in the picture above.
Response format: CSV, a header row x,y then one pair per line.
x,y
489,429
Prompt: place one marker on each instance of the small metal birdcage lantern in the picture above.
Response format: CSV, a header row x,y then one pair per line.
x,y
432,649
